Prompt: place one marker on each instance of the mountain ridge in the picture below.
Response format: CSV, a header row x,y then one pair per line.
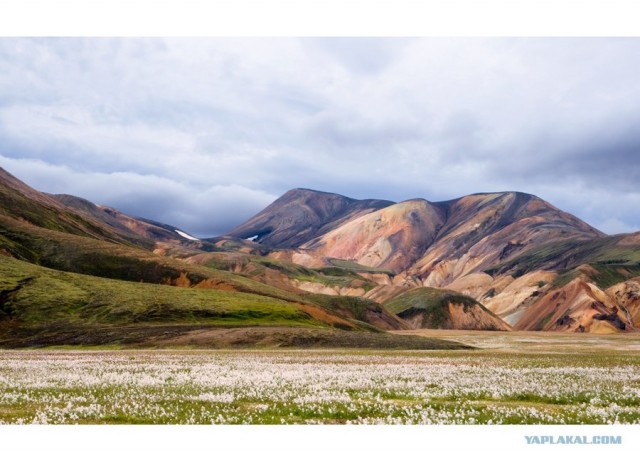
x,y
505,260
278,224
458,224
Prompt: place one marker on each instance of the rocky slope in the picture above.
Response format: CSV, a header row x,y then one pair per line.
x,y
441,242
391,238
301,215
123,223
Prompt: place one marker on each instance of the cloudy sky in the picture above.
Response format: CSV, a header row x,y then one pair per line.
x,y
203,133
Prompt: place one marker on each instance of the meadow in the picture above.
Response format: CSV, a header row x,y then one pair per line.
x,y
500,383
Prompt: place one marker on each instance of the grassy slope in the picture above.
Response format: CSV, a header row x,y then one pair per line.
x,y
429,299
35,295
364,311
435,304
83,255
613,261
357,307
354,266
88,256
40,307
45,212
603,275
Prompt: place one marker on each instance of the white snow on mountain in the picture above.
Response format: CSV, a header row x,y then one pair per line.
x,y
185,235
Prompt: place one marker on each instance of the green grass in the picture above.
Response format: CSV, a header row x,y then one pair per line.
x,y
337,281
355,267
605,276
358,307
348,306
41,307
565,256
46,296
611,274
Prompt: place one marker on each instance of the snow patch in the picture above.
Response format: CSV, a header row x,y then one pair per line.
x,y
185,235
251,239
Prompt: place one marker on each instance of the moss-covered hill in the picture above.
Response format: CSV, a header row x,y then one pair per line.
x,y
443,309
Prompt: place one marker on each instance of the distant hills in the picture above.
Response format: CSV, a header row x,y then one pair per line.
x,y
313,269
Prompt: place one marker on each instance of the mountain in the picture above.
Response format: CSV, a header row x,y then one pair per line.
x,y
20,202
440,242
393,237
443,240
123,223
78,216
507,250
301,215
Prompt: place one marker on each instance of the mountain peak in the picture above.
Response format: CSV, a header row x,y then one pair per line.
x,y
301,215
306,190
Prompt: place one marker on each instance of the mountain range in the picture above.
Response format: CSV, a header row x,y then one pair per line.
x,y
311,269
533,265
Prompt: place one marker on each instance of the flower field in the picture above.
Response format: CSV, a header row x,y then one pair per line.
x,y
318,387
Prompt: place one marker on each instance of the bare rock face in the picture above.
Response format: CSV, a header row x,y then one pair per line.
x,y
392,238
626,295
579,306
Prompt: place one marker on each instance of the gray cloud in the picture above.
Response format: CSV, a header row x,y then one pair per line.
x,y
202,133
202,211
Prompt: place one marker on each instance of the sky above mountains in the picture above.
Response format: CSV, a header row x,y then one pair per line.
x,y
203,133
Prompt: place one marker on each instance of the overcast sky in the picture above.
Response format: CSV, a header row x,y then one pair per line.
x,y
203,133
